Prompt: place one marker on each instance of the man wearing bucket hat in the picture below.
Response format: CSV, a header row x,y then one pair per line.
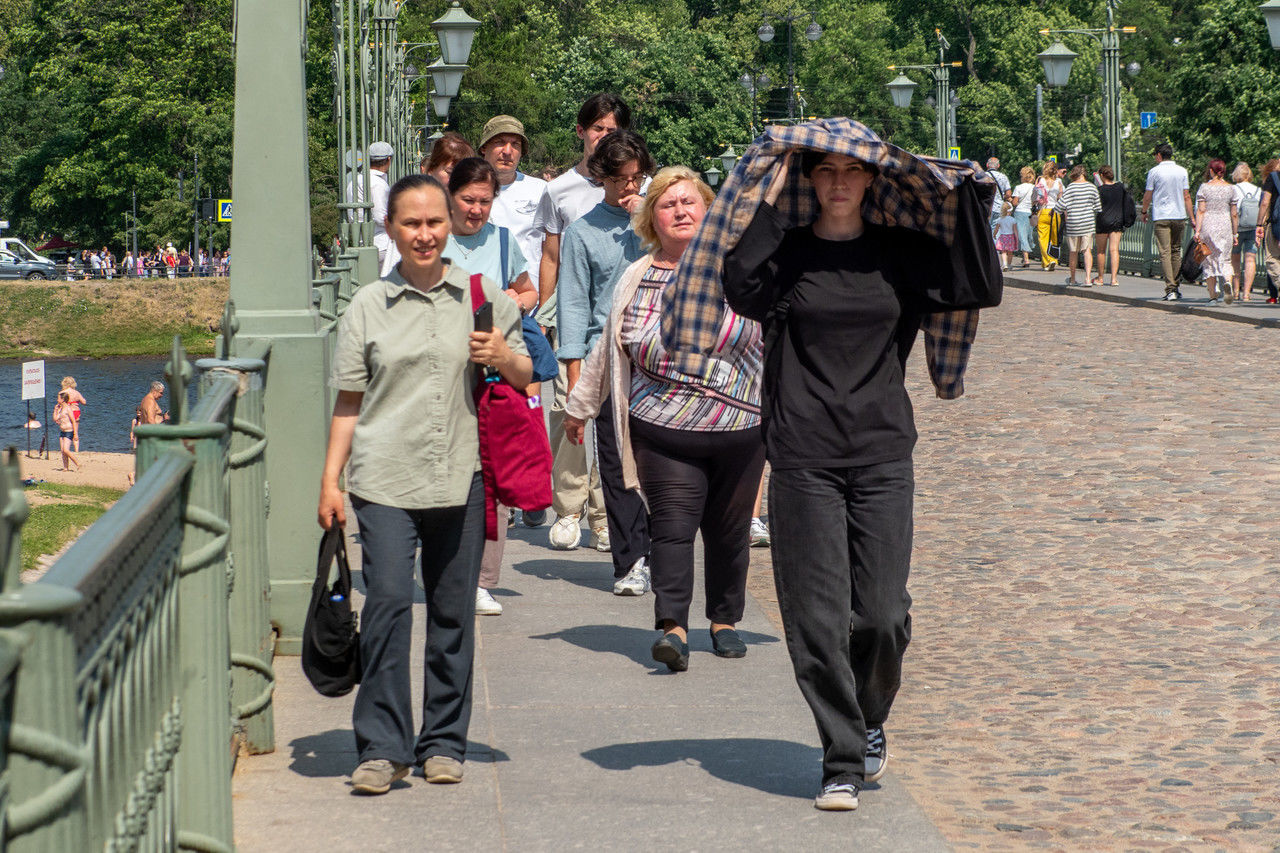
x,y
503,144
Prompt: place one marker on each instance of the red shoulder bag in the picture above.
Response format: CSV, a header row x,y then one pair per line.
x,y
515,454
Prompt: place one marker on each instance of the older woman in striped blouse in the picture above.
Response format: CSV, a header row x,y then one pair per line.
x,y
691,444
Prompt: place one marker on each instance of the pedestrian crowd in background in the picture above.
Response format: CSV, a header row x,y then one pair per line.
x,y
162,262
655,439
1232,221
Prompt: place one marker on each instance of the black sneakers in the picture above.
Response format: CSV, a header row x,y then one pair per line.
x,y
877,754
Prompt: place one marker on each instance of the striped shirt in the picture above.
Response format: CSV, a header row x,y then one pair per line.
x,y
725,398
1079,203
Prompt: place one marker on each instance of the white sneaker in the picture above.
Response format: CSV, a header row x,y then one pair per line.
x,y
759,534
600,538
566,533
486,604
637,580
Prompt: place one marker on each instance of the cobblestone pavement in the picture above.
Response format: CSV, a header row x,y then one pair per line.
x,y
1097,600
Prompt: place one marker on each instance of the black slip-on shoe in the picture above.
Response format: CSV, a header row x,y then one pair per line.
x,y
672,651
728,644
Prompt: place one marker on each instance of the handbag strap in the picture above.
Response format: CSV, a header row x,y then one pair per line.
x,y
504,240
333,546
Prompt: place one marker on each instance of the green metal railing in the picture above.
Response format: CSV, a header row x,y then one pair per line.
x,y
146,650
1140,256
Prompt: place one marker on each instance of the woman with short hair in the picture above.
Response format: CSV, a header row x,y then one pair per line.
x,y
1244,254
690,444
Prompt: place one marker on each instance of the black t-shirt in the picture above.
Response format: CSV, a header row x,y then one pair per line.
x,y
833,382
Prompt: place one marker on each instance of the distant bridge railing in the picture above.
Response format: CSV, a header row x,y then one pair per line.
x,y
1139,254
140,664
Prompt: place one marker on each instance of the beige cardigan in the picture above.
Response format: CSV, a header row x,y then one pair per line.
x,y
607,372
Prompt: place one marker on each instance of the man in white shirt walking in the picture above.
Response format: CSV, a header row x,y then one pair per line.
x,y
576,481
1167,202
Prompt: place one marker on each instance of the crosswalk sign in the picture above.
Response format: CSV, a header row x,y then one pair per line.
x,y
953,153
224,210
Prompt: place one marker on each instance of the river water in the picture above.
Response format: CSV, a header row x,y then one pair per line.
x,y
113,386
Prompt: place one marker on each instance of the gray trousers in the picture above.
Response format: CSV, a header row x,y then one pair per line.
x,y
452,540
841,556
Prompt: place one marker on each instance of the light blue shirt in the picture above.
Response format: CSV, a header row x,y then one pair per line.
x,y
482,253
594,252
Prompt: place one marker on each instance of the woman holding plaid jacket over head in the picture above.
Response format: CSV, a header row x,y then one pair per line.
x,y
898,244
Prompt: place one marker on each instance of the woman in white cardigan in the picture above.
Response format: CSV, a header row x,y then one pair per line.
x,y
691,444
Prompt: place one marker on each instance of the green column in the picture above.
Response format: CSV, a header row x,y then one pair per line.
x,y
271,286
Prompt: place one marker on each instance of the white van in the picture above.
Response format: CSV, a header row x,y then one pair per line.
x,y
21,250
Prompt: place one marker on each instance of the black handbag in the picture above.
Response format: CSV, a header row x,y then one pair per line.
x,y
1189,271
330,637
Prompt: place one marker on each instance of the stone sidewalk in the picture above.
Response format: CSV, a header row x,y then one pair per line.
x,y
579,741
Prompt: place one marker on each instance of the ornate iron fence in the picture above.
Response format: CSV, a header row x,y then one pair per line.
x,y
146,650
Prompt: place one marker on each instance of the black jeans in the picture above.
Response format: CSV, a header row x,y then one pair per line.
x,y
624,508
452,541
841,555
698,481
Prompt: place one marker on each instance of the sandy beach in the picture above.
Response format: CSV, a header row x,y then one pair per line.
x,y
99,469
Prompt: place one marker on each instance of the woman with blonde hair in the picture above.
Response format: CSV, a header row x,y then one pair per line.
x,y
77,400
1022,198
1045,197
1244,254
691,444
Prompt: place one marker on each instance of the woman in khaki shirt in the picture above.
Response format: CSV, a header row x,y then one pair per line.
x,y
404,427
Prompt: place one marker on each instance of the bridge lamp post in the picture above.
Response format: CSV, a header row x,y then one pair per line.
x,y
766,33
902,87
1058,58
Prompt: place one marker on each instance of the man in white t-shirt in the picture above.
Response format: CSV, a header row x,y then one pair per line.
x,y
503,143
1003,189
1167,202
380,154
568,197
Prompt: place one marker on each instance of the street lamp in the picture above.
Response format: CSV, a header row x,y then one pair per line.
x,y
1271,12
813,32
1057,61
455,30
728,159
713,175
902,87
753,82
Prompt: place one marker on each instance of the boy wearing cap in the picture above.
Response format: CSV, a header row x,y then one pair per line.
x,y
503,143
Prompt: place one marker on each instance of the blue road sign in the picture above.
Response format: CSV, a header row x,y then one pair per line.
x,y
224,210
953,153
1148,120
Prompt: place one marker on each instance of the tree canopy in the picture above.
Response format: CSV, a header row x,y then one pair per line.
x,y
107,98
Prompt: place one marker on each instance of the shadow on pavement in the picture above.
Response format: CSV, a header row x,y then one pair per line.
x,y
778,767
593,575
634,643
333,753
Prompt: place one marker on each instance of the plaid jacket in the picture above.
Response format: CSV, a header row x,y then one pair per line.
x,y
913,192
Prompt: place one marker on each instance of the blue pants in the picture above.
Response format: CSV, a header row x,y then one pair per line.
x,y
841,556
452,541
